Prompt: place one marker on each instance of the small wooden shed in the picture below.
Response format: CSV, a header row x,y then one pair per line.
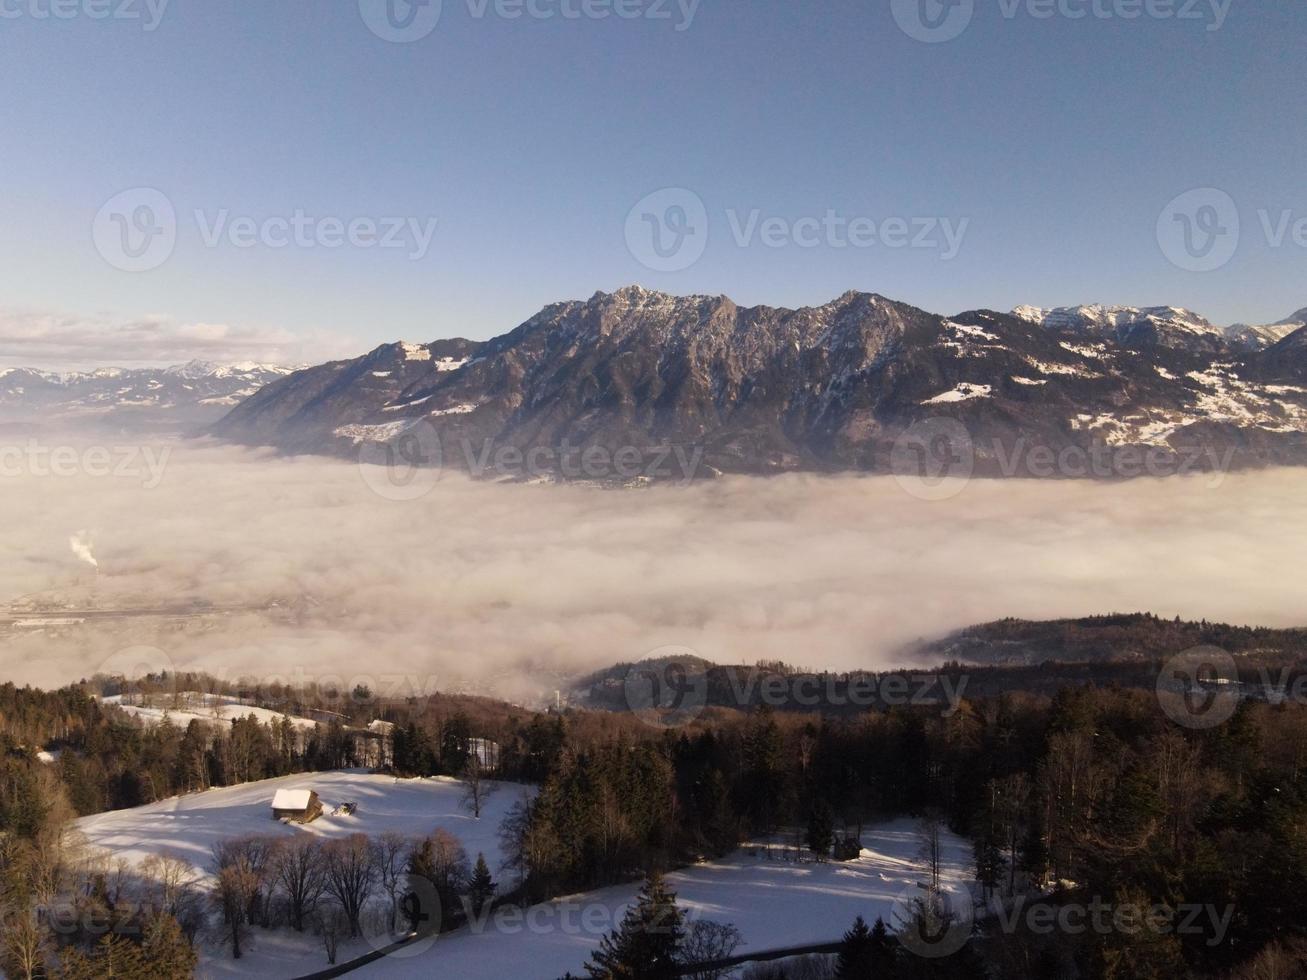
x,y
296,805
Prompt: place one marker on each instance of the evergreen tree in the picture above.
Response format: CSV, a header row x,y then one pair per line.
x,y
454,738
481,888
857,949
884,951
821,830
646,944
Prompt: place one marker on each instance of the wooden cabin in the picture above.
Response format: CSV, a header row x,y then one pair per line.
x,y
296,805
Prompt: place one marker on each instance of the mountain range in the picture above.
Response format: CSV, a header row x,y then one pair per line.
x,y
184,398
827,388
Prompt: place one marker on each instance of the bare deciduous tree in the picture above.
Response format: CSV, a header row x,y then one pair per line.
x,y
296,865
707,942
251,854
476,787
24,943
232,894
351,870
332,924
392,868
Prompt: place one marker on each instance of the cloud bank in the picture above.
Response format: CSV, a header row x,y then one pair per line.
x,y
64,341
510,589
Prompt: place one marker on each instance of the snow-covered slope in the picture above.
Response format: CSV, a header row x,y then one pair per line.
x,y
190,706
188,826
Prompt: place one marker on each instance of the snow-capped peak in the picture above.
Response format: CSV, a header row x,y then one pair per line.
x,y
1031,314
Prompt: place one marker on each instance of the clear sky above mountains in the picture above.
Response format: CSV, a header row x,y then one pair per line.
x,y
1028,159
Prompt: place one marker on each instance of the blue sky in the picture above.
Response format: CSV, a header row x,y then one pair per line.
x,y
1054,143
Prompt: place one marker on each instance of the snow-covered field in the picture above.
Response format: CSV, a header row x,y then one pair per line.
x,y
194,706
188,826
774,903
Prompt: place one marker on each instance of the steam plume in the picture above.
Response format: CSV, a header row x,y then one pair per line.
x,y
82,548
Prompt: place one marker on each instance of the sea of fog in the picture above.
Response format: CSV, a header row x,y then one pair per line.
x,y
327,569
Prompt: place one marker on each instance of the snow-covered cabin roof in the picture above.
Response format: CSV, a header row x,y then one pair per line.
x,y
292,799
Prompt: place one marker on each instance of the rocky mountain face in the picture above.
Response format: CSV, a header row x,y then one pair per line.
x,y
183,398
827,388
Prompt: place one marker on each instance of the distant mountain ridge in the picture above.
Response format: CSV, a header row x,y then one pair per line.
x,y
1167,325
180,398
826,388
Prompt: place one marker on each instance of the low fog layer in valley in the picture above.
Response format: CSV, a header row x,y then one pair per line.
x,y
242,564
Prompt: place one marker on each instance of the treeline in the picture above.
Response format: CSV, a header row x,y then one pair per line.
x,y
1109,637
106,759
